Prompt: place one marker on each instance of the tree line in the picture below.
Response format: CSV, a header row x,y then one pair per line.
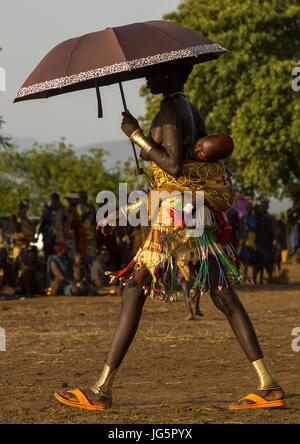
x,y
248,91
36,173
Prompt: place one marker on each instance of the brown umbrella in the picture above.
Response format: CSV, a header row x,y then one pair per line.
x,y
114,55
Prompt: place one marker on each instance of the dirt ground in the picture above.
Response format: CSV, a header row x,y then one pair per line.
x,y
176,371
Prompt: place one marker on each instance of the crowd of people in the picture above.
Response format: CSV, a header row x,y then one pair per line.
x,y
262,240
75,256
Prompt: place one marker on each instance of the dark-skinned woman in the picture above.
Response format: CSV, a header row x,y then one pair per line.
x,y
168,249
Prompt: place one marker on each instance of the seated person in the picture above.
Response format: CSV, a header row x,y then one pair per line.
x,y
81,276
23,228
37,268
7,276
31,276
58,277
100,265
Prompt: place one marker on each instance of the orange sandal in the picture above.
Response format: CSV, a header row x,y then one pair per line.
x,y
259,402
82,401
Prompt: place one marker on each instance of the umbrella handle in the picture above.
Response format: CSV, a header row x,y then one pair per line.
x,y
139,170
100,110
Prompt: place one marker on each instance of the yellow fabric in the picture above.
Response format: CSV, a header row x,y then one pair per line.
x,y
209,177
251,241
158,251
284,255
16,252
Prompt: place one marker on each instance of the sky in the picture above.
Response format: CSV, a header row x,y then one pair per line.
x,y
28,30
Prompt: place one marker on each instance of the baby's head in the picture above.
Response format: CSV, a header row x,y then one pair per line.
x,y
214,147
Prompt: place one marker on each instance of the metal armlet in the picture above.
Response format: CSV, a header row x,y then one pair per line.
x,y
139,138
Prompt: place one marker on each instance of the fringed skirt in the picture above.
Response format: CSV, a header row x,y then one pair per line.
x,y
171,252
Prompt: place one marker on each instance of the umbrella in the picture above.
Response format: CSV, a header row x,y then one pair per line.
x,y
114,55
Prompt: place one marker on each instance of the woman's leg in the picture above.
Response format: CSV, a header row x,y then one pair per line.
x,y
133,299
227,301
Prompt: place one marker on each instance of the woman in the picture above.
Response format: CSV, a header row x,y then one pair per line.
x,y
173,133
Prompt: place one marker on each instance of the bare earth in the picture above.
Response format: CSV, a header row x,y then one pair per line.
x,y
176,371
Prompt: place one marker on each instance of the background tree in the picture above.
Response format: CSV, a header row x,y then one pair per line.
x,y
36,173
247,92
4,141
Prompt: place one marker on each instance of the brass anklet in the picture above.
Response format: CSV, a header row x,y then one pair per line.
x,y
266,378
103,387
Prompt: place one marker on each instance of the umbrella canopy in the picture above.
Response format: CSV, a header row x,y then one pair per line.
x,y
114,55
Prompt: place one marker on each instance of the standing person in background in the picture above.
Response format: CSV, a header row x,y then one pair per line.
x,y
87,213
265,205
76,238
45,228
7,276
59,224
294,224
4,236
234,222
280,241
248,237
110,242
23,228
264,243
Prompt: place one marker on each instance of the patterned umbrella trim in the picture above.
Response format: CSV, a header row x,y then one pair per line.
x,y
120,67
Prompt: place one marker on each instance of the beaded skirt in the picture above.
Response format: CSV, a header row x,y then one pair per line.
x,y
172,251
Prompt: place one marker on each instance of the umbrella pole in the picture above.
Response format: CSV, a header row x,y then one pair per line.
x,y
139,170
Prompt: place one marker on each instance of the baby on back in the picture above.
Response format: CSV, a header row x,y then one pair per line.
x,y
213,147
